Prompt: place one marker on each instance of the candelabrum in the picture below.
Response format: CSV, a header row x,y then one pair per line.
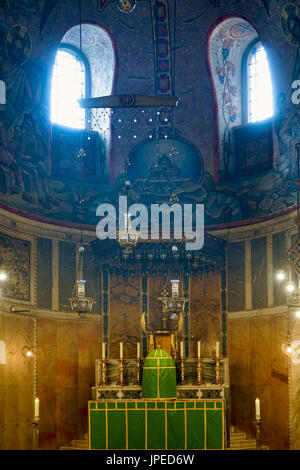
x,y
257,424
182,379
218,372
138,372
199,371
103,373
121,372
36,433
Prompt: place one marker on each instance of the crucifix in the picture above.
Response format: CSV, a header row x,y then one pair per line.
x,y
164,97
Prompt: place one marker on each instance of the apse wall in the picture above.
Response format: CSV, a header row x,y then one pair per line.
x,y
40,262
258,323
180,63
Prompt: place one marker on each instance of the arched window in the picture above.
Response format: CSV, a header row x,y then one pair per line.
x,y
259,92
84,68
243,92
69,84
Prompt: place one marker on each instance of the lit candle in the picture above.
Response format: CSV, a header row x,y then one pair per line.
x,y
175,288
257,409
217,349
198,349
121,350
103,350
181,349
36,408
138,350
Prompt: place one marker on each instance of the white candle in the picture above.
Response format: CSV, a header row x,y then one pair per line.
x,y
138,350
103,350
198,349
181,349
257,408
36,408
121,350
217,349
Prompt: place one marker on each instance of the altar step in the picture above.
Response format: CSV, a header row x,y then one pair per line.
x,y
77,444
240,441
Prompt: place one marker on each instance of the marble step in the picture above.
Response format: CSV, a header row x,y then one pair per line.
x,y
239,441
238,436
80,443
73,448
248,448
243,443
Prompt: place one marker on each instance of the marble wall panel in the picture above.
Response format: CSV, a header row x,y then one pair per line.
x,y
44,273
258,368
89,349
295,393
279,263
156,286
205,316
16,383
66,354
236,276
67,273
259,273
124,321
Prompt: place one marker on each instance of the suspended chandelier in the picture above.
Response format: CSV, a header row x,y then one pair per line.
x,y
172,306
80,303
127,237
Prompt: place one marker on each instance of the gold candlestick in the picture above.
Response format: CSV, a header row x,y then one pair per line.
x,y
218,372
182,378
257,424
199,371
138,372
121,372
36,433
103,373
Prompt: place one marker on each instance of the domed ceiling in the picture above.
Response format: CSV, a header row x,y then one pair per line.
x,y
190,50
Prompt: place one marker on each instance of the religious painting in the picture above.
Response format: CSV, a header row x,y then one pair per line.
x,y
162,167
290,27
15,261
20,8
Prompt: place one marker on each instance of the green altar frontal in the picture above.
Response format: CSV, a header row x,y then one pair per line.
x,y
156,425
159,376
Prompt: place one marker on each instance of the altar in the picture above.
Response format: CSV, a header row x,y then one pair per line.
x,y
156,425
162,381
161,413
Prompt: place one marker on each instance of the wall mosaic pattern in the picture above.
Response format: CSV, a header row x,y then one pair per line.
x,y
15,260
26,156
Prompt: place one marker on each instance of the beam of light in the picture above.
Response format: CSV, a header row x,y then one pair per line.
x,y
68,86
260,91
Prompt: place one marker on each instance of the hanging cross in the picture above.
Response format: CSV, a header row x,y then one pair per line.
x,y
129,101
